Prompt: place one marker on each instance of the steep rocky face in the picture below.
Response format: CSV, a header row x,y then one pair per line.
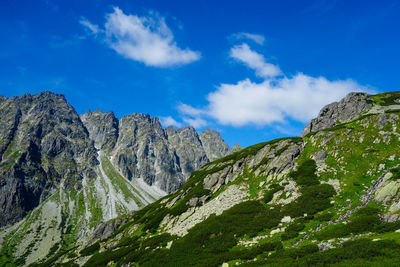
x,y
213,144
141,149
43,146
347,109
142,152
188,147
102,128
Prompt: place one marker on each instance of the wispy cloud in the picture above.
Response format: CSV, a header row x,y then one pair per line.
x,y
257,38
169,121
254,60
92,28
188,110
276,99
196,122
143,39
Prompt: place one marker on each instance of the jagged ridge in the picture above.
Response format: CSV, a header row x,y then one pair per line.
x,y
65,174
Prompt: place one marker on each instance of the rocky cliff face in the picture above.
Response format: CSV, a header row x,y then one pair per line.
x,y
141,149
213,144
142,152
347,109
102,128
188,147
43,146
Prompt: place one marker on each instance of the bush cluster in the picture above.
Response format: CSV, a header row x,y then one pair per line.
x,y
362,252
90,249
364,220
209,243
269,195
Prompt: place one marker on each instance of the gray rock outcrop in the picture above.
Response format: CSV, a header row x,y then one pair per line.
x,y
43,145
102,128
141,149
188,148
235,148
347,109
214,146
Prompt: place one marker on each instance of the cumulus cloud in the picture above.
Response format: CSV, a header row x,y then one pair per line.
x,y
254,60
144,39
169,121
257,38
299,97
274,100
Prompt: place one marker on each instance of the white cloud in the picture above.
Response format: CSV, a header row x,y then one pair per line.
x,y
299,97
257,38
196,122
89,26
274,100
254,60
144,39
189,110
169,121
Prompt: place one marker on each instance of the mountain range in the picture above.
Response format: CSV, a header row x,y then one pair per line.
x,y
59,168
93,190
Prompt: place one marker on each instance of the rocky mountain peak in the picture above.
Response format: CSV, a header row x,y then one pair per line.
x,y
43,144
347,109
142,149
236,148
102,128
214,146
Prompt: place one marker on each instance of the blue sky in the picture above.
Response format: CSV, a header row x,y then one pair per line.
x,y
254,70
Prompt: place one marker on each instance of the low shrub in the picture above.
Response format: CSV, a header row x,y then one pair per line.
x,y
305,174
269,195
90,249
324,217
313,199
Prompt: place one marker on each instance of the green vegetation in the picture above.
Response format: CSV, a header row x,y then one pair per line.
x,y
360,252
315,197
305,174
396,173
268,195
90,249
387,99
362,221
209,243
252,150
119,182
324,217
